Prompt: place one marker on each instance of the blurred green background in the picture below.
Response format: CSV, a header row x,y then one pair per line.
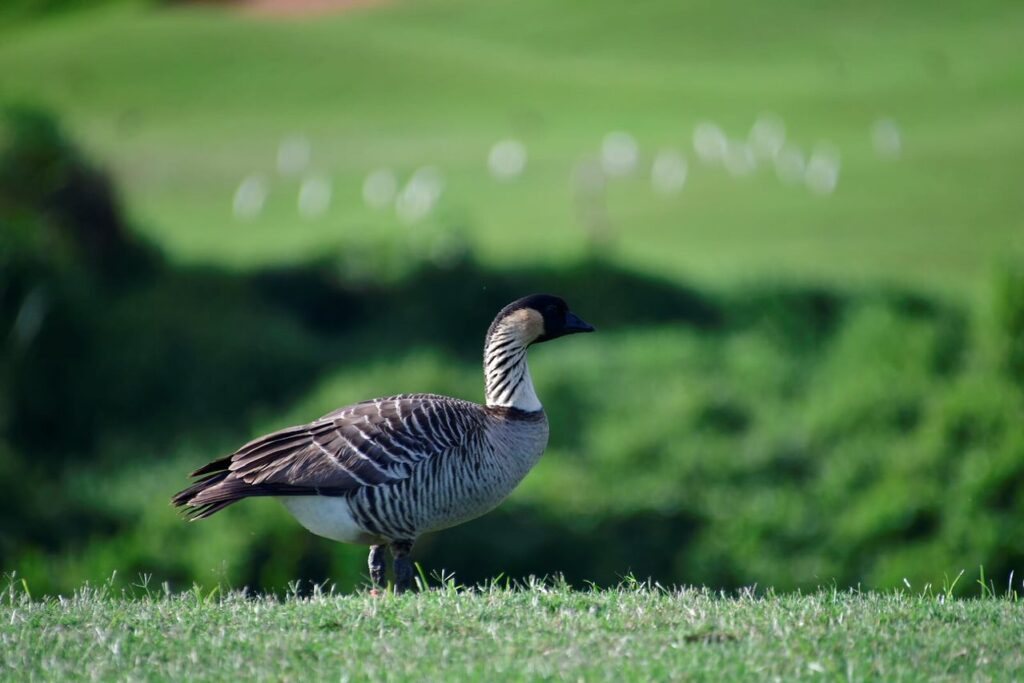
x,y
219,220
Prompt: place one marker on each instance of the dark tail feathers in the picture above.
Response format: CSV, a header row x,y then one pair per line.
x,y
220,488
211,494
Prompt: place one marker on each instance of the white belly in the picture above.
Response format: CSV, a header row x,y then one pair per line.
x,y
327,516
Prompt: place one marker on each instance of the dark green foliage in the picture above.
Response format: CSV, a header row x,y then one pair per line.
x,y
778,434
1009,314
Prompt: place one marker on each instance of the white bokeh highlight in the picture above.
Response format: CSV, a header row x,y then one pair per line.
x,y
887,139
314,196
507,159
419,196
250,197
380,188
619,154
710,142
668,172
767,136
822,173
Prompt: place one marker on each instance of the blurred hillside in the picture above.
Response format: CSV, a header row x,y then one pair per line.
x,y
184,104
213,225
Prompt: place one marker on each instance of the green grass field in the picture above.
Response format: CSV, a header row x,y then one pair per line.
x,y
184,103
633,633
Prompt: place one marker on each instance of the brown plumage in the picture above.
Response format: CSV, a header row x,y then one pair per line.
x,y
385,471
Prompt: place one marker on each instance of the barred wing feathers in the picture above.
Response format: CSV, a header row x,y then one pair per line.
x,y
366,444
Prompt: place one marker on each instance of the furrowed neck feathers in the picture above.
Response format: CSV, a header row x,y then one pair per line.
x,y
507,380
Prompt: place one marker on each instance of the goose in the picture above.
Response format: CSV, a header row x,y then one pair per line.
x,y
385,471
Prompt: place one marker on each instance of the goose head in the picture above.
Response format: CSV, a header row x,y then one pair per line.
x,y
536,318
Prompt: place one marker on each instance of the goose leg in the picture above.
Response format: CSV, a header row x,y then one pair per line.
x,y
378,566
403,565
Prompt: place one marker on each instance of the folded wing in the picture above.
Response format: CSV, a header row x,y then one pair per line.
x,y
366,444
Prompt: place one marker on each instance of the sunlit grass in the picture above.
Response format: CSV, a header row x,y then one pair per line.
x,y
538,630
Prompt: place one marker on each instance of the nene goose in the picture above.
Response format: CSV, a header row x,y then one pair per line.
x,y
385,471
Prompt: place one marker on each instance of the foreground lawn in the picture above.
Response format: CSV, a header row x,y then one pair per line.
x,y
634,633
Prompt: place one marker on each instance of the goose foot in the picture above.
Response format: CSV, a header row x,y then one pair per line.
x,y
378,566
403,565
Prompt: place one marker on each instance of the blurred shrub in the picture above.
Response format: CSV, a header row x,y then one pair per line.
x,y
747,456
724,456
60,212
1009,318
100,324
103,344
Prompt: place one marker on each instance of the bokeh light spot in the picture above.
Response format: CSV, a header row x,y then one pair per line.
x,y
507,159
887,139
314,196
668,172
419,196
822,174
709,142
619,154
380,188
767,136
250,197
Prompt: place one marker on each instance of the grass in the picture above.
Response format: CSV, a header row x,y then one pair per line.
x,y
183,103
533,632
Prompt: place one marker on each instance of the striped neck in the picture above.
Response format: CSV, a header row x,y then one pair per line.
x,y
507,380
